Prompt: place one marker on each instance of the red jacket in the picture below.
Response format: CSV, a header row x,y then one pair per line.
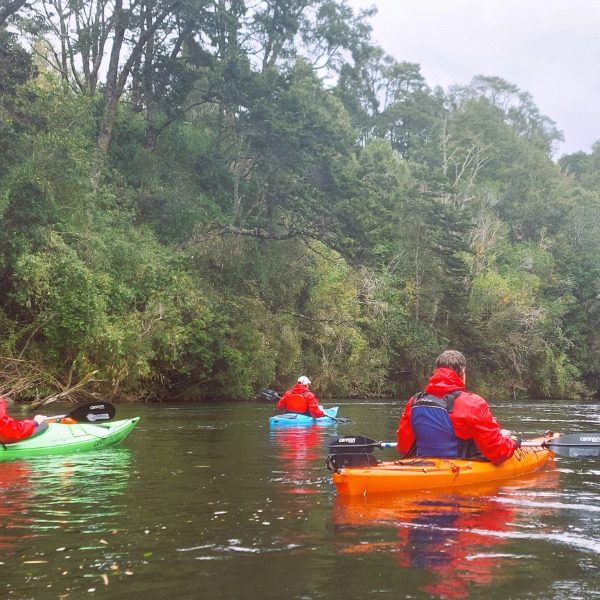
x,y
471,418
301,400
12,430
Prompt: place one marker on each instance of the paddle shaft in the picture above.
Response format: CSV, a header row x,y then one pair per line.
x,y
575,445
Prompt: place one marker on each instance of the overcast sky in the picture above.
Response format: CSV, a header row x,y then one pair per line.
x,y
549,48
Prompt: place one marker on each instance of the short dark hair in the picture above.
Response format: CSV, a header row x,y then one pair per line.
x,y
453,359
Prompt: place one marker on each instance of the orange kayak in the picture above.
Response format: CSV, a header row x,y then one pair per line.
x,y
421,473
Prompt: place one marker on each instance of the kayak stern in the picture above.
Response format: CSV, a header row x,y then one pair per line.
x,y
297,419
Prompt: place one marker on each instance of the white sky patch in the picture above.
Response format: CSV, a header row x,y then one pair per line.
x,y
548,48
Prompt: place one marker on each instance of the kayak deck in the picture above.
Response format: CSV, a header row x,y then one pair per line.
x,y
422,473
60,438
302,419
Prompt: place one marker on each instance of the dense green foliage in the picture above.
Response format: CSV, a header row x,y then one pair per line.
x,y
228,195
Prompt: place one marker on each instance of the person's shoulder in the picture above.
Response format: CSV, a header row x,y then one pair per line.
x,y
472,399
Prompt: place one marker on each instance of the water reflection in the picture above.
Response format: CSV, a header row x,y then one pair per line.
x,y
205,501
15,500
61,492
460,539
298,451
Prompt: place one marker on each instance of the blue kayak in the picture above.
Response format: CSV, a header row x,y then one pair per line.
x,y
301,419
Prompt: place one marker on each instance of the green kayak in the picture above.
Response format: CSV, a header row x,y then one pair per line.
x,y
60,438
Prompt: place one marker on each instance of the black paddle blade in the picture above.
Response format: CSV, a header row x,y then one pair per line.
x,y
353,444
92,412
576,445
269,394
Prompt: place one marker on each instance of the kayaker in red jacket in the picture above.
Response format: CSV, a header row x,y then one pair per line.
x,y
13,430
463,428
300,399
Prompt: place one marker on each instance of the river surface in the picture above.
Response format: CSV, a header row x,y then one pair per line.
x,y
206,501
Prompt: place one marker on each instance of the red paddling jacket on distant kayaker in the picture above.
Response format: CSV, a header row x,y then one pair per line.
x,y
301,400
12,430
447,421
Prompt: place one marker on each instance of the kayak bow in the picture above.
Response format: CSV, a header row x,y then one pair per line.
x,y
61,438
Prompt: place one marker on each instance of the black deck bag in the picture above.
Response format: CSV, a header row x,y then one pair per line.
x,y
335,462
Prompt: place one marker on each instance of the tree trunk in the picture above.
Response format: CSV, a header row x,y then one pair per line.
x,y
115,80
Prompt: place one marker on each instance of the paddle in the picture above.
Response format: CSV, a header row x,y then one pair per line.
x,y
272,395
574,445
357,444
90,413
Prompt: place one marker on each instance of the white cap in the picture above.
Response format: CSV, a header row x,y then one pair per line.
x,y
304,380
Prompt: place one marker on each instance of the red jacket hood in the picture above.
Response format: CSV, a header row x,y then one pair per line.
x,y
299,389
444,381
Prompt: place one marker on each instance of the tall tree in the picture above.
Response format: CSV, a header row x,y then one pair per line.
x,y
9,8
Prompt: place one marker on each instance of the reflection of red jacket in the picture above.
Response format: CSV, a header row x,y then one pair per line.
x,y
458,545
471,418
12,430
300,400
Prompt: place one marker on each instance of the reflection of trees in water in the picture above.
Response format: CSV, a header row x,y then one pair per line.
x,y
458,538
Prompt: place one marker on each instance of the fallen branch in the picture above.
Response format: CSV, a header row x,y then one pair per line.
x,y
67,394
20,378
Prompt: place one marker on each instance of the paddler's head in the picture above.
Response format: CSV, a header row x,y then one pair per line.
x,y
304,380
455,360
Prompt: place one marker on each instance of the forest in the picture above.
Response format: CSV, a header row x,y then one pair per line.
x,y
202,198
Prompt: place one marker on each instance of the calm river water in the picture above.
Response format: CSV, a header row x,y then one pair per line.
x,y
207,502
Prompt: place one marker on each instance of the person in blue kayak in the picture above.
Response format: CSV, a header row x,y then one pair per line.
x,y
447,421
13,430
300,399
